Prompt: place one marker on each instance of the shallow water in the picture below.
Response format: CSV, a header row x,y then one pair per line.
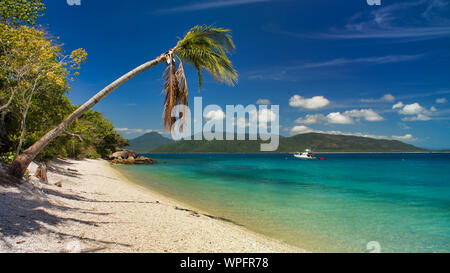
x,y
400,201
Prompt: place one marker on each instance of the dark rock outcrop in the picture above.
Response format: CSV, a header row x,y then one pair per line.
x,y
134,161
125,154
130,158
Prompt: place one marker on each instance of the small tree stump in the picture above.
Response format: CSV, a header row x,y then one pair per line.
x,y
41,172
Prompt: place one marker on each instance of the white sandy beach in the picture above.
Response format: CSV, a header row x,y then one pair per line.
x,y
97,210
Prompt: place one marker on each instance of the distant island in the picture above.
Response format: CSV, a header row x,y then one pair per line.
x,y
156,143
147,142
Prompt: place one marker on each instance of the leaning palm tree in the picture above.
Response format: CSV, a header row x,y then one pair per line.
x,y
204,47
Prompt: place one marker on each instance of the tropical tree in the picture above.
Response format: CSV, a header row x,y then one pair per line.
x,y
20,11
31,66
203,47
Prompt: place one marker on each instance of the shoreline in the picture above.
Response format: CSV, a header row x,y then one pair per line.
x,y
219,153
182,206
98,209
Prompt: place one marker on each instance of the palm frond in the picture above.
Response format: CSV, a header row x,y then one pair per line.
x,y
183,93
182,84
171,91
206,47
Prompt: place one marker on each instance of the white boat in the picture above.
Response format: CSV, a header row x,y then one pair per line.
x,y
307,155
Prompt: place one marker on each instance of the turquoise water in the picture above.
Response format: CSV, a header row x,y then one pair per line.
x,y
401,201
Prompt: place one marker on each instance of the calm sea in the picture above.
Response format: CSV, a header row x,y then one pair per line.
x,y
399,201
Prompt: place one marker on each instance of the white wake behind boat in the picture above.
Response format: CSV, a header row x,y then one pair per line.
x,y
307,155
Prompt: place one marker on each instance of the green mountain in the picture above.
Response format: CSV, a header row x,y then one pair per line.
x,y
147,142
315,141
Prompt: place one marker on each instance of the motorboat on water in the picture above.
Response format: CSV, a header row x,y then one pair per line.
x,y
307,155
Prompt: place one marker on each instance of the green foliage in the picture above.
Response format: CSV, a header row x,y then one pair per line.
x,y
91,136
206,47
94,155
78,56
34,82
7,157
34,78
18,11
98,136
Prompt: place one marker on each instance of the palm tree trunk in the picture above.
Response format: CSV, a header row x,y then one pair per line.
x,y
21,162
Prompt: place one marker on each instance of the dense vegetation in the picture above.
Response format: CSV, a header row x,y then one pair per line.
x,y
316,142
35,76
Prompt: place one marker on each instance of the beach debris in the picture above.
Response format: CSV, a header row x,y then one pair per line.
x,y
191,212
59,184
41,172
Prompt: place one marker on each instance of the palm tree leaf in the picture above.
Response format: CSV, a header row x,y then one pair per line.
x,y
183,93
206,47
171,91
182,84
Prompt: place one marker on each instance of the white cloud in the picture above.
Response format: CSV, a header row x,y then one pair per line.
x,y
367,114
441,100
418,112
385,98
296,130
311,103
263,102
388,97
370,60
338,118
301,130
344,118
215,115
407,137
404,126
433,109
426,20
412,109
419,117
311,119
208,5
398,105
135,131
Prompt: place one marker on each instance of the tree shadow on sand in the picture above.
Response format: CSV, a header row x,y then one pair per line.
x,y
23,212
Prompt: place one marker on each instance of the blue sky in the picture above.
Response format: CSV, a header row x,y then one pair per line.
x,y
332,66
